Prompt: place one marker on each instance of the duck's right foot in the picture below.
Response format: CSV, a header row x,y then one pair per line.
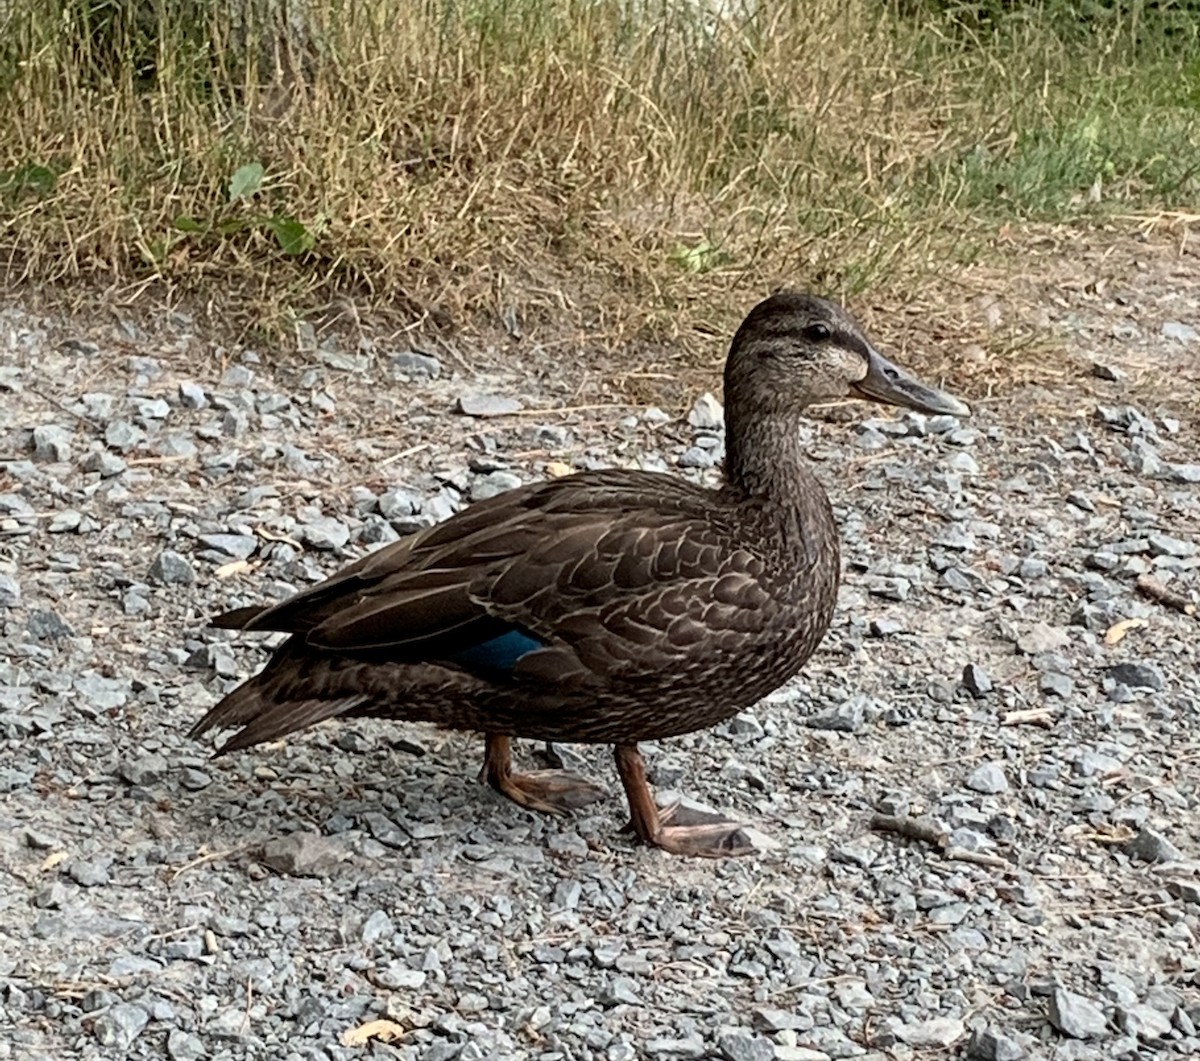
x,y
549,791
706,837
677,829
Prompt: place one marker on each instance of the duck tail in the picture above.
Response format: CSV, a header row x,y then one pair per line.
x,y
238,619
261,720
273,703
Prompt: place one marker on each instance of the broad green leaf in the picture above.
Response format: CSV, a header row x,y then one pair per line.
x,y
29,178
246,181
698,259
291,234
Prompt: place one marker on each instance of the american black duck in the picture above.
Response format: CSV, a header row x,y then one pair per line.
x,y
604,607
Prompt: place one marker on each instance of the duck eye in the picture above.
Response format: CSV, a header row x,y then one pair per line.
x,y
818,332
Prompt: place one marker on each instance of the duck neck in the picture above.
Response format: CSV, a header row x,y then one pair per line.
x,y
763,457
765,466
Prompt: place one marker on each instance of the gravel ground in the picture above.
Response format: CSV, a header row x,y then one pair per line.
x,y
994,680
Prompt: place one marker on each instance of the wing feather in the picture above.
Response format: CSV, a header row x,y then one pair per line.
x,y
619,574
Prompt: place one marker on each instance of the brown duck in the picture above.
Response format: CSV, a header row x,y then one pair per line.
x,y
604,607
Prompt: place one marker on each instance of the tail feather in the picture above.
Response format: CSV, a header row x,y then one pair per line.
x,y
239,618
262,718
279,719
279,701
235,709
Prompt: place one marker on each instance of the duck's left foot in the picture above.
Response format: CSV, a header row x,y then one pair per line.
x,y
718,840
678,829
695,833
550,791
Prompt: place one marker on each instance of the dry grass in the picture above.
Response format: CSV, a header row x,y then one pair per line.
x,y
621,168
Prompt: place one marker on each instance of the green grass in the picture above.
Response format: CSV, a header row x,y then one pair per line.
x,y
599,162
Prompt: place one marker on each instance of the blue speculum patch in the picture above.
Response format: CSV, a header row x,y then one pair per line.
x,y
500,654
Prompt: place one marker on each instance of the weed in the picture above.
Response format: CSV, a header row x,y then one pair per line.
x,y
611,160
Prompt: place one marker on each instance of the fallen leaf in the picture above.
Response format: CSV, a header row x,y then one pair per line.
x,y
557,469
234,567
55,858
1117,631
1110,834
386,1031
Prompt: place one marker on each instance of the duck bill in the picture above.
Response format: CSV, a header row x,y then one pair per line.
x,y
886,383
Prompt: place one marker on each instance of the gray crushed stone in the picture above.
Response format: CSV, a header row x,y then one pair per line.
x,y
992,670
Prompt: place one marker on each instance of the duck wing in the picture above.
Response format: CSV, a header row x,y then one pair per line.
x,y
575,584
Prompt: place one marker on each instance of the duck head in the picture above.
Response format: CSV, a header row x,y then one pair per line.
x,y
795,350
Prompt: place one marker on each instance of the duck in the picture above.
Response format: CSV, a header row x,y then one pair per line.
x,y
611,606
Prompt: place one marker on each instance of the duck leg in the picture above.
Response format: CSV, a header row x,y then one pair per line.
x,y
666,828
552,791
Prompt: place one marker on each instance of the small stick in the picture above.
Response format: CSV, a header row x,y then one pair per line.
x,y
249,1002
979,858
920,829
926,832
1039,716
86,420
1149,586
166,458
563,410
173,874
403,453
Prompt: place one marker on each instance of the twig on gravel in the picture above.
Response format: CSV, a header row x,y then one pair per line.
x,y
920,829
403,453
1149,586
182,931
166,458
87,420
172,875
1115,634
79,988
1035,716
249,1003
927,832
561,410
978,858
1111,911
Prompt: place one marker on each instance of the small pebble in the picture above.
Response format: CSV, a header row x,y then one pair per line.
x,y
1138,675
51,442
485,406
737,1045
940,1032
119,1026
416,365
707,414
988,779
976,679
303,854
991,1044
171,568
1151,846
1076,1016
846,717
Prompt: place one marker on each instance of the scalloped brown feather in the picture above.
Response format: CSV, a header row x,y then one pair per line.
x,y
642,587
